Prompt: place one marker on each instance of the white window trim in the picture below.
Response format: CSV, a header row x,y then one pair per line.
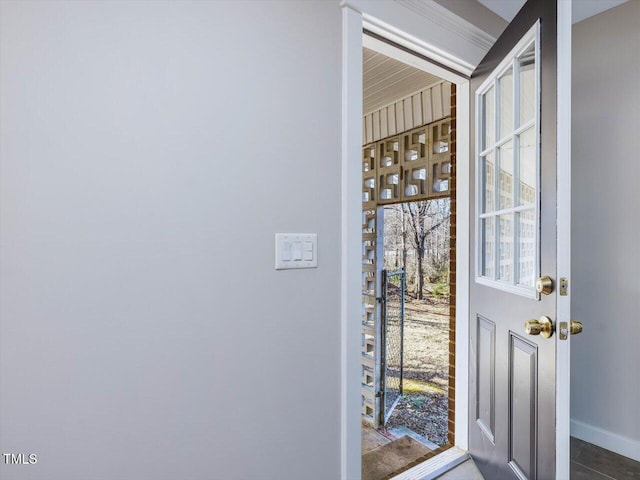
x,y
531,37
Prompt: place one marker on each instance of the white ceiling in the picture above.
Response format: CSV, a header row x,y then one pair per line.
x,y
582,9
386,80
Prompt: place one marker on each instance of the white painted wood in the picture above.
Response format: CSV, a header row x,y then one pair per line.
x,y
364,130
509,61
368,120
416,107
428,29
427,110
376,124
351,241
515,289
381,27
384,129
386,79
408,113
417,110
406,57
463,237
395,115
400,124
436,99
391,119
614,442
435,466
504,65
563,265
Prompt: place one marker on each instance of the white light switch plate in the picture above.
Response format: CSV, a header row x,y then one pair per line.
x,y
296,250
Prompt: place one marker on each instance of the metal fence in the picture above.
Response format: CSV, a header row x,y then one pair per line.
x,y
393,289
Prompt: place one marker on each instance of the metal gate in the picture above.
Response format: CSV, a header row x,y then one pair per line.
x,y
392,344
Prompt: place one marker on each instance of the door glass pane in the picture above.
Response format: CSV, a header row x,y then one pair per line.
x,y
505,154
488,182
508,176
488,119
505,248
528,167
488,242
527,85
505,118
526,247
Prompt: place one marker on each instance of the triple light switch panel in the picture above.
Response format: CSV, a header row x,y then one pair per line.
x,y
296,250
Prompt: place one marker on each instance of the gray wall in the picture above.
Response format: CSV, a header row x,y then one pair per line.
x,y
150,151
606,228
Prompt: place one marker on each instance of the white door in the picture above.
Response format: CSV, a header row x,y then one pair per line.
x,y
516,348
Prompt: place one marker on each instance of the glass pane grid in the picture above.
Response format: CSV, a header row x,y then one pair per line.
x,y
508,175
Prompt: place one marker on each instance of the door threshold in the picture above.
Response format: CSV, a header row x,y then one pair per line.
x,y
435,466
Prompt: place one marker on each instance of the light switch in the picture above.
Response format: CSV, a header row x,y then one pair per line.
x,y
296,250
286,251
307,251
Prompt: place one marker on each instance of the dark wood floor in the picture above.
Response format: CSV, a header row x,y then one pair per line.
x,y
589,462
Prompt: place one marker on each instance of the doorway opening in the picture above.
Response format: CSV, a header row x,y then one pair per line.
x,y
408,266
416,245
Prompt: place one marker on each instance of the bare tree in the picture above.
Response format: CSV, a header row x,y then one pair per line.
x,y
426,219
418,233
395,236
416,212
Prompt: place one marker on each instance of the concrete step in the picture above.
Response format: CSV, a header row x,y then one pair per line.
x,y
404,431
392,457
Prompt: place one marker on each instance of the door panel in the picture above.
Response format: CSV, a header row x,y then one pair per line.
x,y
523,399
512,432
485,373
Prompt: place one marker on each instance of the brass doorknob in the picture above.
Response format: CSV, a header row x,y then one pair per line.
x,y
543,327
544,285
576,327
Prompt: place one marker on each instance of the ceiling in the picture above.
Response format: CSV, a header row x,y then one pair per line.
x,y
386,80
582,9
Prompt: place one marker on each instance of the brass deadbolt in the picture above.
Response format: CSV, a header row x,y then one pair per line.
x,y
544,285
576,327
543,327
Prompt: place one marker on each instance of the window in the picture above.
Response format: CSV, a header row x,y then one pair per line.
x,y
507,171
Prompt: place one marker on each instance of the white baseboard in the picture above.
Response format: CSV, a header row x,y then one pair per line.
x,y
625,446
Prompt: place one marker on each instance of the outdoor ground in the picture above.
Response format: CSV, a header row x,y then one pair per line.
x,y
424,405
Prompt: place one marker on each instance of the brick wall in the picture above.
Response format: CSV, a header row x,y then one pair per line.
x,y
452,272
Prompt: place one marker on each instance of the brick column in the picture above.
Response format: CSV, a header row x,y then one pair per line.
x,y
452,273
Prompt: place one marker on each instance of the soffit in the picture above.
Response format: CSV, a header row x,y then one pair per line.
x,y
386,80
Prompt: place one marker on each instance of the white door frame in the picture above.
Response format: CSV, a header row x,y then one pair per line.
x,y
354,20
563,253
434,43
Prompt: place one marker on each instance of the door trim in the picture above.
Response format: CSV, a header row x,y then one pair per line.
x,y
563,305
354,16
350,245
354,21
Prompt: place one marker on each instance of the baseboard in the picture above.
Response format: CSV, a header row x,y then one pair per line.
x,y
608,440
